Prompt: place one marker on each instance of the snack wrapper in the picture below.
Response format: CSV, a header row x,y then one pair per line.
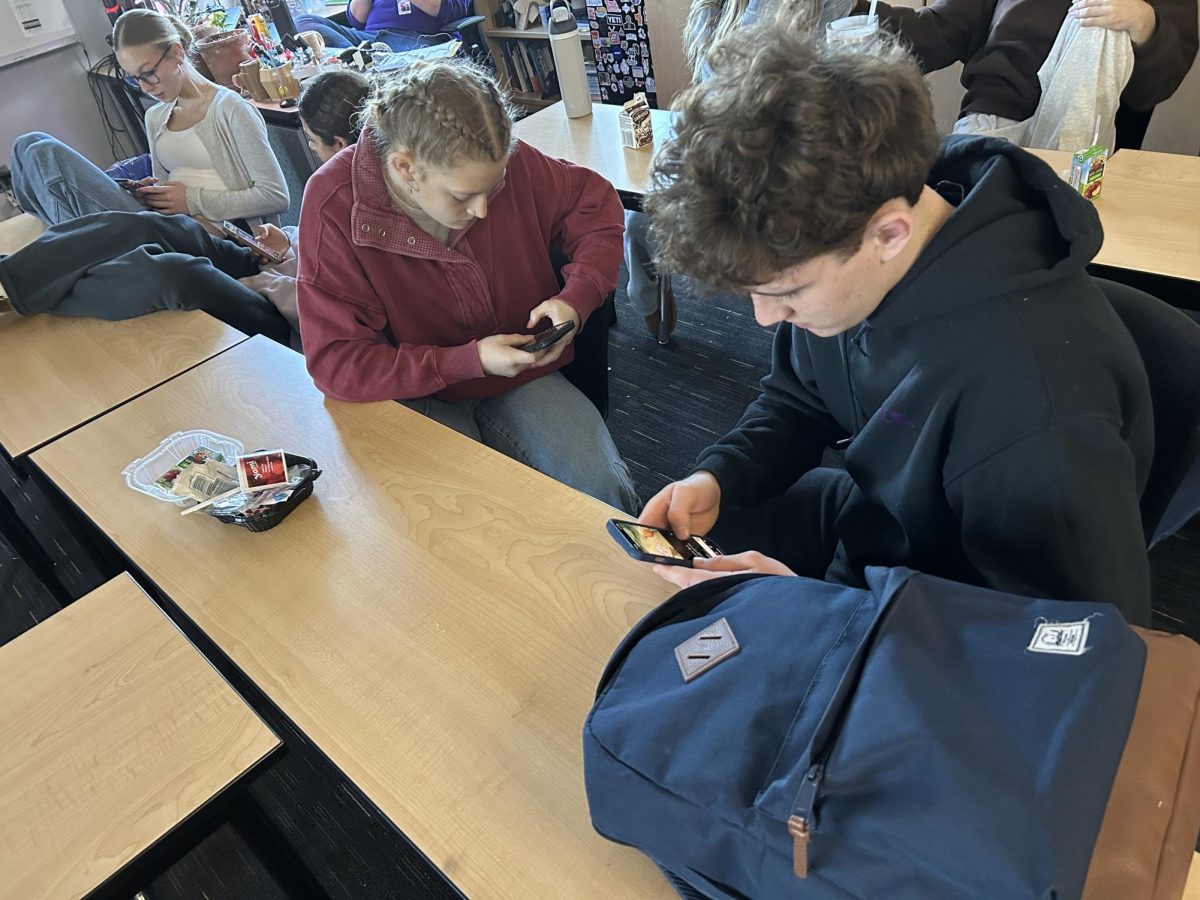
x,y
202,475
637,131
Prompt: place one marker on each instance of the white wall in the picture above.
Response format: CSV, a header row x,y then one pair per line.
x,y
1175,126
50,92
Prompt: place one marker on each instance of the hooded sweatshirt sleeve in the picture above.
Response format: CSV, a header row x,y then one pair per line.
x,y
1160,64
940,34
780,436
1048,515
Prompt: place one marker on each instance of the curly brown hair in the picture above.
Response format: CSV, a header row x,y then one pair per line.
x,y
786,153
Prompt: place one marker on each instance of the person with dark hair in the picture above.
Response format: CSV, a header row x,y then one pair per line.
x,y
935,320
119,265
208,147
330,108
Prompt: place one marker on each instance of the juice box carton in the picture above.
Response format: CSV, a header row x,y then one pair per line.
x,y
1087,170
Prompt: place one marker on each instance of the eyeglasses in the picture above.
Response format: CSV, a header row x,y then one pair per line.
x,y
150,76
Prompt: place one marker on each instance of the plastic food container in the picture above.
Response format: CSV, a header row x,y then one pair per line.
x,y
141,474
268,517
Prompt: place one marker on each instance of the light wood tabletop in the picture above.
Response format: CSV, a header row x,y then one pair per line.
x,y
435,617
1170,169
61,372
595,142
113,730
1192,890
1149,206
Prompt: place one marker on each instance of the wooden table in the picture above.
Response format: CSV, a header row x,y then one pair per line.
x,y
113,730
61,372
1192,890
1149,206
595,142
435,618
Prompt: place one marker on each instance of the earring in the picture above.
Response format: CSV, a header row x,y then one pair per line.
x,y
412,186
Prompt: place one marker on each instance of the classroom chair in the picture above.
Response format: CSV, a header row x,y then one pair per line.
x,y
1169,343
588,371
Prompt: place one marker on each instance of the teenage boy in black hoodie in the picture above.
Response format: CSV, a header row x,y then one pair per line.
x,y
936,321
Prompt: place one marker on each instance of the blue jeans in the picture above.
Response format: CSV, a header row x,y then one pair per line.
x,y
548,425
341,36
57,184
642,288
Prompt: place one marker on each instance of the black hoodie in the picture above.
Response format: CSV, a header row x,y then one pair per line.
x,y
999,411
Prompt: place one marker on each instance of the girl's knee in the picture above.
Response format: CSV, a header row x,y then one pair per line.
x,y
23,142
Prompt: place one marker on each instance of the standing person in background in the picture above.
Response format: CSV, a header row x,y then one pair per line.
x,y
425,268
209,149
1003,43
707,22
398,23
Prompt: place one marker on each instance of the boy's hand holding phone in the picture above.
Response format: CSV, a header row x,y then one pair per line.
x,y
735,564
559,312
685,507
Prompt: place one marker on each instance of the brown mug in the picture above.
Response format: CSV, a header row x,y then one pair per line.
x,y
279,82
249,80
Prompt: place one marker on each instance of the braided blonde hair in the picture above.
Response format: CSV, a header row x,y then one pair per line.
x,y
443,113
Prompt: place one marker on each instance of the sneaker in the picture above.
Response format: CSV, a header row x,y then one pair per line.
x,y
5,304
655,318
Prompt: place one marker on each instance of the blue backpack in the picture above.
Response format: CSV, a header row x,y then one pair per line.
x,y
782,737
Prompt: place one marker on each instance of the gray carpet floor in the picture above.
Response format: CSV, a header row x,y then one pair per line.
x,y
667,403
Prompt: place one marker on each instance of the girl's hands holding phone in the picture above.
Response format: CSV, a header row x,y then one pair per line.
x,y
275,238
501,354
557,311
169,198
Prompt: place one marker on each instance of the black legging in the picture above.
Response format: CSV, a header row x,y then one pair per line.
x,y
119,265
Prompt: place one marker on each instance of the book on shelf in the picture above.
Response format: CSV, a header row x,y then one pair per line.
x,y
529,68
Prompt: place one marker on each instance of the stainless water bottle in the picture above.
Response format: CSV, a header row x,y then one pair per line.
x,y
568,60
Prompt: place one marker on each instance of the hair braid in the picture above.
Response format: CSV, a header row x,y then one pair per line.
x,y
442,113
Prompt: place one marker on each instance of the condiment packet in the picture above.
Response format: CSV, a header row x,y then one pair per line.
x,y
200,476
261,471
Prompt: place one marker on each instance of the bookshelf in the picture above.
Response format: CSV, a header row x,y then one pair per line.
x,y
538,33
524,62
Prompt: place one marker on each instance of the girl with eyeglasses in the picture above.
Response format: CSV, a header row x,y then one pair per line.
x,y
208,147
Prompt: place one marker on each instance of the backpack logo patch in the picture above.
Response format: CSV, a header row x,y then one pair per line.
x,y
706,649
1065,638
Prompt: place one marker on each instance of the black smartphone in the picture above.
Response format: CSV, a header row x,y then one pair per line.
x,y
248,240
657,545
544,339
128,184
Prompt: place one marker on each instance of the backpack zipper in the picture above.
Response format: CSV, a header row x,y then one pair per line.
x,y
803,819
